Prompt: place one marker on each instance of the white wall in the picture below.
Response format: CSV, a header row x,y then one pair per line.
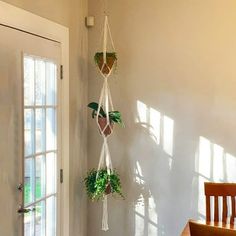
x,y
175,86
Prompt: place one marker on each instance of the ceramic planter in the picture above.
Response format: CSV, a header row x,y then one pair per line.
x,y
106,68
108,189
102,121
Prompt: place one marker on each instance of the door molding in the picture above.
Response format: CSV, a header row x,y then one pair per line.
x,y
25,21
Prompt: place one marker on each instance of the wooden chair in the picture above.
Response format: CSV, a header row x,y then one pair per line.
x,y
220,190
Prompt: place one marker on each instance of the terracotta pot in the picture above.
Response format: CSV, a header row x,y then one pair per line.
x,y
108,66
108,189
102,121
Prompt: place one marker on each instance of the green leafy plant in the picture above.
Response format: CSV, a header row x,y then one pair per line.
x,y
109,55
100,183
114,116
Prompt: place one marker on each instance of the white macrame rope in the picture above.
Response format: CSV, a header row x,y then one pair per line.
x,y
106,98
105,41
100,102
105,103
101,160
109,30
110,99
108,159
105,215
105,159
98,47
101,99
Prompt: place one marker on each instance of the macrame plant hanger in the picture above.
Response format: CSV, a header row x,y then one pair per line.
x,y
104,124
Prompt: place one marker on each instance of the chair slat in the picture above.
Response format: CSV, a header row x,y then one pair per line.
x,y
224,214
217,190
233,210
216,210
208,210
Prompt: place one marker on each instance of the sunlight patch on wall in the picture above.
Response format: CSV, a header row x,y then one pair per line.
x,y
155,125
218,163
201,197
138,169
142,112
159,126
153,218
140,184
139,207
139,217
146,219
145,207
138,174
168,132
204,157
230,167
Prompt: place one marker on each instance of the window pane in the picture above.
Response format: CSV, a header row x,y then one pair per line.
x,y
51,74
39,82
51,173
40,134
29,224
51,216
51,129
40,219
29,131
40,177
40,129
28,81
29,181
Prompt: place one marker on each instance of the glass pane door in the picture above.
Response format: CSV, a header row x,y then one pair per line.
x,y
40,146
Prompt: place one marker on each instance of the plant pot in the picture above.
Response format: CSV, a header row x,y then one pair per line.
x,y
108,189
102,121
106,68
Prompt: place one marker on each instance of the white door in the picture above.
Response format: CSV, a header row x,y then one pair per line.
x,y
29,134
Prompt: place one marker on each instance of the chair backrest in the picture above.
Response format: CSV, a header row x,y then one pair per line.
x,y
220,190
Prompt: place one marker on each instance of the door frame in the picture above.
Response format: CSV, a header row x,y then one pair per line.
x,y
25,21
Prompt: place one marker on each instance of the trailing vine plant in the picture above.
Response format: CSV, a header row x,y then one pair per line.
x,y
100,183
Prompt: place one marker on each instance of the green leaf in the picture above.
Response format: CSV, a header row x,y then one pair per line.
x,y
115,116
94,106
96,183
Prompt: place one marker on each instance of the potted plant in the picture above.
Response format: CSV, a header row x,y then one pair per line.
x,y
111,60
100,183
114,117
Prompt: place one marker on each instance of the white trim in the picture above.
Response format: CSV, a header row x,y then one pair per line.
x,y
26,21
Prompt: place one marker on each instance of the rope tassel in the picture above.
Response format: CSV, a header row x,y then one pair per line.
x,y
105,215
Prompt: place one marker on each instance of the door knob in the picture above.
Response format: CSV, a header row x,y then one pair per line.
x,y
23,210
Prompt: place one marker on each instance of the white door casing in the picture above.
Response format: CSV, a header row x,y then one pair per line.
x,y
25,21
30,91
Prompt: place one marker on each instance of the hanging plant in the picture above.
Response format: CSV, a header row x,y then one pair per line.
x,y
111,60
114,117
99,184
104,181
